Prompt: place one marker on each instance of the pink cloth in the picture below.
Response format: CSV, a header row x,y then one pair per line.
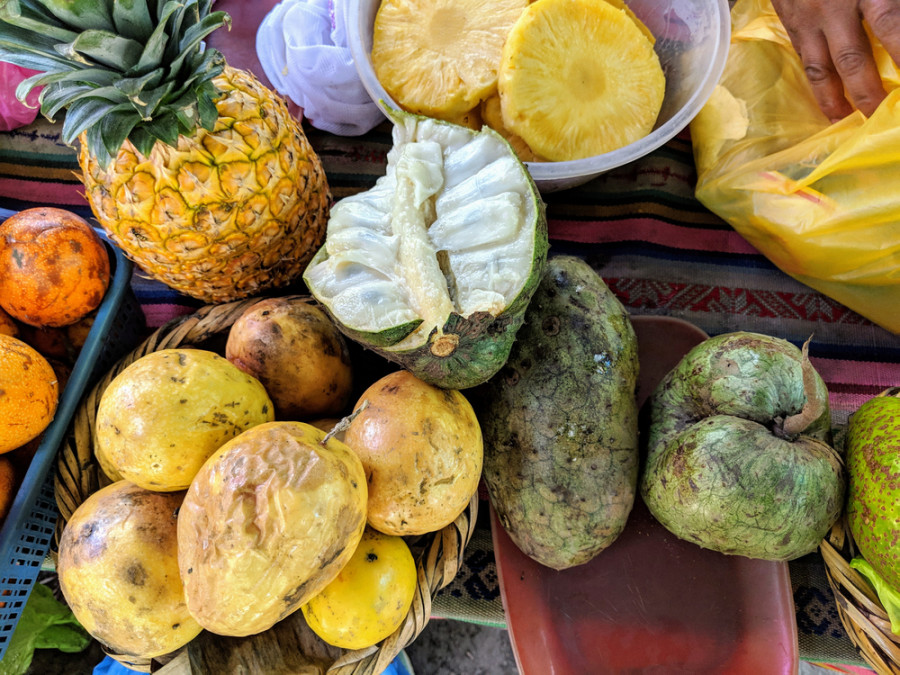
x,y
13,113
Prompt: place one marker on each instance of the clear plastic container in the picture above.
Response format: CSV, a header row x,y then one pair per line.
x,y
692,38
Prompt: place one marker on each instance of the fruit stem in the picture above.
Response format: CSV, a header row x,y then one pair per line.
x,y
795,424
344,423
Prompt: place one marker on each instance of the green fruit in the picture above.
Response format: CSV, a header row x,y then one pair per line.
x,y
738,459
560,421
435,265
873,500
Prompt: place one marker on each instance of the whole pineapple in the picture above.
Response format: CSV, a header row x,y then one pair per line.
x,y
195,169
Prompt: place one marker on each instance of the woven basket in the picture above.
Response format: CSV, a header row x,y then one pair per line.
x,y
862,614
859,608
438,555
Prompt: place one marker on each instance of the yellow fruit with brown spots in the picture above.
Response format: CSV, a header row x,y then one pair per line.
x,y
161,418
422,450
268,522
299,355
118,570
29,393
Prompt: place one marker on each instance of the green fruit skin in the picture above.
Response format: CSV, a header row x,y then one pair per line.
x,y
873,500
727,484
560,421
718,474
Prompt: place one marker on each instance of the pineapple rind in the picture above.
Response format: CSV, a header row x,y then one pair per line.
x,y
226,214
579,78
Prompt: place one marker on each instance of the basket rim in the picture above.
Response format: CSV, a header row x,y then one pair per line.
x,y
861,612
78,475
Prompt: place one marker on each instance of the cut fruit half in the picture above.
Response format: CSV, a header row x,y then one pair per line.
x,y
440,57
435,265
579,78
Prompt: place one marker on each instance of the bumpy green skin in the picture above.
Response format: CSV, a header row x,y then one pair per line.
x,y
873,501
560,421
718,472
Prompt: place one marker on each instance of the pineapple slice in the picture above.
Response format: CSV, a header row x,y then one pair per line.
x,y
579,78
440,57
493,117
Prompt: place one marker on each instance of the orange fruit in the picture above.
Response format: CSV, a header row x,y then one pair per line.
x,y
54,268
29,392
8,325
7,485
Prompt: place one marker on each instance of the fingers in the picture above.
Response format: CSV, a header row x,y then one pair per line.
x,y
822,74
883,17
836,52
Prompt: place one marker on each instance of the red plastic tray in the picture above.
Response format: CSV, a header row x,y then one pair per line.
x,y
650,603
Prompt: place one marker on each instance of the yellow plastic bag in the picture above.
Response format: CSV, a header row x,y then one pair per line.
x,y
820,200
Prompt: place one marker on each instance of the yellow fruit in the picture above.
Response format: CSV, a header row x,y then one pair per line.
x,y
297,353
161,418
440,57
267,523
579,78
422,450
118,570
369,598
493,117
226,214
29,393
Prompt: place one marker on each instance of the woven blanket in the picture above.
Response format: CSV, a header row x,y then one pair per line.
x,y
659,250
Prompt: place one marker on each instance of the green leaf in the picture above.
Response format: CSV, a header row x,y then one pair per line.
x,y
132,19
164,128
889,596
156,46
45,623
195,34
29,50
107,48
146,93
82,114
96,148
115,128
142,139
80,14
207,109
24,16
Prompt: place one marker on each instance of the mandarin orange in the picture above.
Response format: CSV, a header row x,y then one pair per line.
x,y
7,486
54,268
8,325
29,393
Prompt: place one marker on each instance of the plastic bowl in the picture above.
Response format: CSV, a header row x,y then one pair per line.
x,y
692,38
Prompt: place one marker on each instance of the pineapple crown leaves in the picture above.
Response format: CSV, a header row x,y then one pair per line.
x,y
119,69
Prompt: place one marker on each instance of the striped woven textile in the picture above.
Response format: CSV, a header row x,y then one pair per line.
x,y
660,251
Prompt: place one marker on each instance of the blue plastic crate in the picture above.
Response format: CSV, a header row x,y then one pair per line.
x,y
29,528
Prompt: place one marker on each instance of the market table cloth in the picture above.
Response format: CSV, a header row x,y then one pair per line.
x,y
659,250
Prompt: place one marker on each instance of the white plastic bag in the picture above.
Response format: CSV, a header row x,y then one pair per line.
x,y
302,47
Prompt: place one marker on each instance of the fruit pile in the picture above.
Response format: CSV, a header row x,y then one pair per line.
x,y
283,476
559,79
54,273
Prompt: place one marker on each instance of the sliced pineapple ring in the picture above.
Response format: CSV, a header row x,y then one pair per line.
x,y
579,78
434,266
440,57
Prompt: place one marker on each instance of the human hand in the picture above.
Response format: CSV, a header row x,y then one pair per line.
x,y
835,50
